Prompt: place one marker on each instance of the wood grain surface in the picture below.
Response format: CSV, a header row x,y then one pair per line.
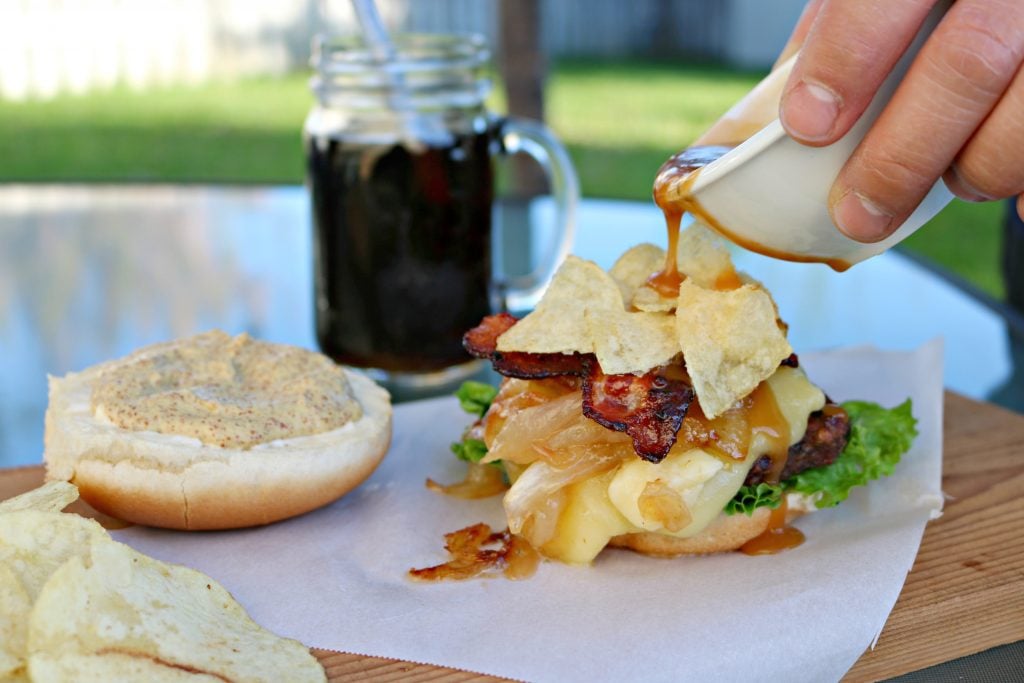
x,y
965,593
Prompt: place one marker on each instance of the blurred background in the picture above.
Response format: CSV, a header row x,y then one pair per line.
x,y
215,91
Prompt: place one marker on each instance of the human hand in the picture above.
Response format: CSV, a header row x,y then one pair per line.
x,y
958,114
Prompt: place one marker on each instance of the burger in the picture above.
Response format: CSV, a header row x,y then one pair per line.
x,y
664,421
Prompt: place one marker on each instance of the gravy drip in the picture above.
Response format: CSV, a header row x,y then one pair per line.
x,y
767,420
776,538
681,168
471,556
667,280
728,436
686,166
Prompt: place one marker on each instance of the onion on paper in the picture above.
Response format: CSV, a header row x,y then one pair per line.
x,y
482,481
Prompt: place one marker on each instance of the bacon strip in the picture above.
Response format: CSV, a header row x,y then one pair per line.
x,y
482,342
649,408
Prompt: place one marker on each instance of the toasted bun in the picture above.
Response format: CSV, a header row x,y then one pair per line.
x,y
726,532
180,483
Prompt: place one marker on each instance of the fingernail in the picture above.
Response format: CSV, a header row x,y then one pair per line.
x,y
861,219
810,111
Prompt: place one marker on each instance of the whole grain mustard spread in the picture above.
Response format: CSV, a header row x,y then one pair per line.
x,y
232,392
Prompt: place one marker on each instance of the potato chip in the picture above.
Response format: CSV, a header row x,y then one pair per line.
x,y
33,544
15,605
748,279
583,312
635,267
703,256
650,300
111,666
557,324
631,342
165,619
731,342
53,496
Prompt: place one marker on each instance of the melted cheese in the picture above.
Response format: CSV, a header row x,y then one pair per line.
x,y
796,398
685,473
608,505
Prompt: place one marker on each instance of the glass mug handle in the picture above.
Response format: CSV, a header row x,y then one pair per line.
x,y
534,139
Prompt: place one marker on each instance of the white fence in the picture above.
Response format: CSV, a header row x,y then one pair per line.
x,y
53,46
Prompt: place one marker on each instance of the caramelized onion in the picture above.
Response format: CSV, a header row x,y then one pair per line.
x,y
584,432
558,433
516,395
728,435
536,500
567,457
470,556
533,424
482,481
661,503
540,522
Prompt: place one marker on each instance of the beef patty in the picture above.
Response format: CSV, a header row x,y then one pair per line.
x,y
827,433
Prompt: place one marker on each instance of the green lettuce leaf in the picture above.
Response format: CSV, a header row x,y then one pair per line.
x,y
749,498
878,437
470,450
475,397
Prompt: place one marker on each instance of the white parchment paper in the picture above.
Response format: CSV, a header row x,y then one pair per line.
x,y
336,578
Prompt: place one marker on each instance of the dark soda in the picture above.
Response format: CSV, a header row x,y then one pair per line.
x,y
402,249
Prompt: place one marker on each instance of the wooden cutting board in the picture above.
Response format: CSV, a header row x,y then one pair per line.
x,y
965,593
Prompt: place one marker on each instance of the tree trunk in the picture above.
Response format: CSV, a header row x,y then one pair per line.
x,y
522,65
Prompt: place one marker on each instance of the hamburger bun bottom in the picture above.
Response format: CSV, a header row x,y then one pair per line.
x,y
725,533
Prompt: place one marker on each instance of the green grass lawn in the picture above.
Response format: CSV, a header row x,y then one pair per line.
x,y
620,121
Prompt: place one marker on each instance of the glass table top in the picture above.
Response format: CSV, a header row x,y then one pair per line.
x,y
89,273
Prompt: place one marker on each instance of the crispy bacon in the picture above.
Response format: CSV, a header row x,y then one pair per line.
x,y
649,408
539,365
482,342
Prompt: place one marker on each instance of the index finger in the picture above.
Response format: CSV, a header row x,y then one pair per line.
x,y
800,31
850,49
